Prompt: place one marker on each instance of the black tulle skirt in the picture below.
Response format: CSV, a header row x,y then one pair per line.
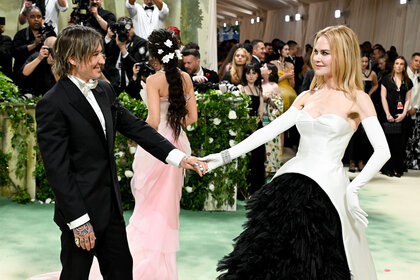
x,y
293,232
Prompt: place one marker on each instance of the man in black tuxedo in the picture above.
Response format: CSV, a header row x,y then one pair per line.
x,y
297,62
122,50
258,52
191,63
76,125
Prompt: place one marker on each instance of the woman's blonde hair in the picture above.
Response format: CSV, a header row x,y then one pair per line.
x,y
346,67
77,42
236,77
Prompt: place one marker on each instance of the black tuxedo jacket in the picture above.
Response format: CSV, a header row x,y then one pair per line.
x,y
254,60
78,158
137,51
211,75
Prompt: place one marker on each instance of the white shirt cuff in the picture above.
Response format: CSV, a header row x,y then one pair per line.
x,y
78,222
124,56
174,157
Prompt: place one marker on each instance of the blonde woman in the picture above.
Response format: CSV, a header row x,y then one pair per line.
x,y
241,57
307,223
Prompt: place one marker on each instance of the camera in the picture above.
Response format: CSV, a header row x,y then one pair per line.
x,y
145,69
81,12
50,50
46,27
122,28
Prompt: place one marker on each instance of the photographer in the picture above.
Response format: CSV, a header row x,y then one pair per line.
x,y
147,16
49,8
90,13
29,40
5,50
122,49
36,72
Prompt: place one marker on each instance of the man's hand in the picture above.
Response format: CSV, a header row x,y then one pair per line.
x,y
27,5
43,53
84,236
412,111
199,79
94,10
192,163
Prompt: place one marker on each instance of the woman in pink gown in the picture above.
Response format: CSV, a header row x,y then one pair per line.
x,y
157,187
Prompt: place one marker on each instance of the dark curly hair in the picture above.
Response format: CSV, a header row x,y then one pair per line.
x,y
159,50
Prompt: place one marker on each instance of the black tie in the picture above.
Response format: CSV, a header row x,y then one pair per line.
x,y
149,8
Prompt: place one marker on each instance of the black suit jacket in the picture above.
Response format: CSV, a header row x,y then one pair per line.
x,y
254,60
137,51
6,55
211,75
78,158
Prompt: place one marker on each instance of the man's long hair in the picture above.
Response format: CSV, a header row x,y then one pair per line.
x,y
77,42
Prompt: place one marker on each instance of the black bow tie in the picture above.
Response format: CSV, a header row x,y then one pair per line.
x,y
149,8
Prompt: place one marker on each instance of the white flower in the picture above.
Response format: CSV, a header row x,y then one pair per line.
x,y
41,202
190,128
232,133
168,43
231,143
188,189
211,140
119,178
217,121
236,92
48,201
168,57
119,154
178,54
160,51
165,59
232,115
132,150
128,173
211,187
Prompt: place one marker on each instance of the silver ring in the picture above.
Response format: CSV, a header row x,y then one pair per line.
x,y
196,164
201,168
76,240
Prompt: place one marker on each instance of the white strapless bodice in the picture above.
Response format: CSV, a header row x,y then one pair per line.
x,y
323,141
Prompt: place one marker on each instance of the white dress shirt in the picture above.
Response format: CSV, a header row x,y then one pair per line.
x,y
145,21
415,91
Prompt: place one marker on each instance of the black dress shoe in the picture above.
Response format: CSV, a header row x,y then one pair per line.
x,y
398,174
388,173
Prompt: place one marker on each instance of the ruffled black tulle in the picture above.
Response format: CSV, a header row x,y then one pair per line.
x,y
293,232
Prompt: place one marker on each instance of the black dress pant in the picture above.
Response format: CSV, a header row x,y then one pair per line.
x,y
397,149
111,249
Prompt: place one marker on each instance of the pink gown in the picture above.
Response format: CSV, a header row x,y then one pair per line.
x,y
153,228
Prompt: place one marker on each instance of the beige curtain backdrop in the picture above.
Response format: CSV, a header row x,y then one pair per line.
x,y
379,21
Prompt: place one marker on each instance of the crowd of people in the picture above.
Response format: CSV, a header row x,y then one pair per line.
x,y
138,55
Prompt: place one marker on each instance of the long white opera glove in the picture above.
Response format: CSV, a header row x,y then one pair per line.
x,y
256,139
379,157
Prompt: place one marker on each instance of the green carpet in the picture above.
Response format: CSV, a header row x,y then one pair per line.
x,y
29,239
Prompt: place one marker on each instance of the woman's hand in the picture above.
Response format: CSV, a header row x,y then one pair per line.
x,y
389,118
192,163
